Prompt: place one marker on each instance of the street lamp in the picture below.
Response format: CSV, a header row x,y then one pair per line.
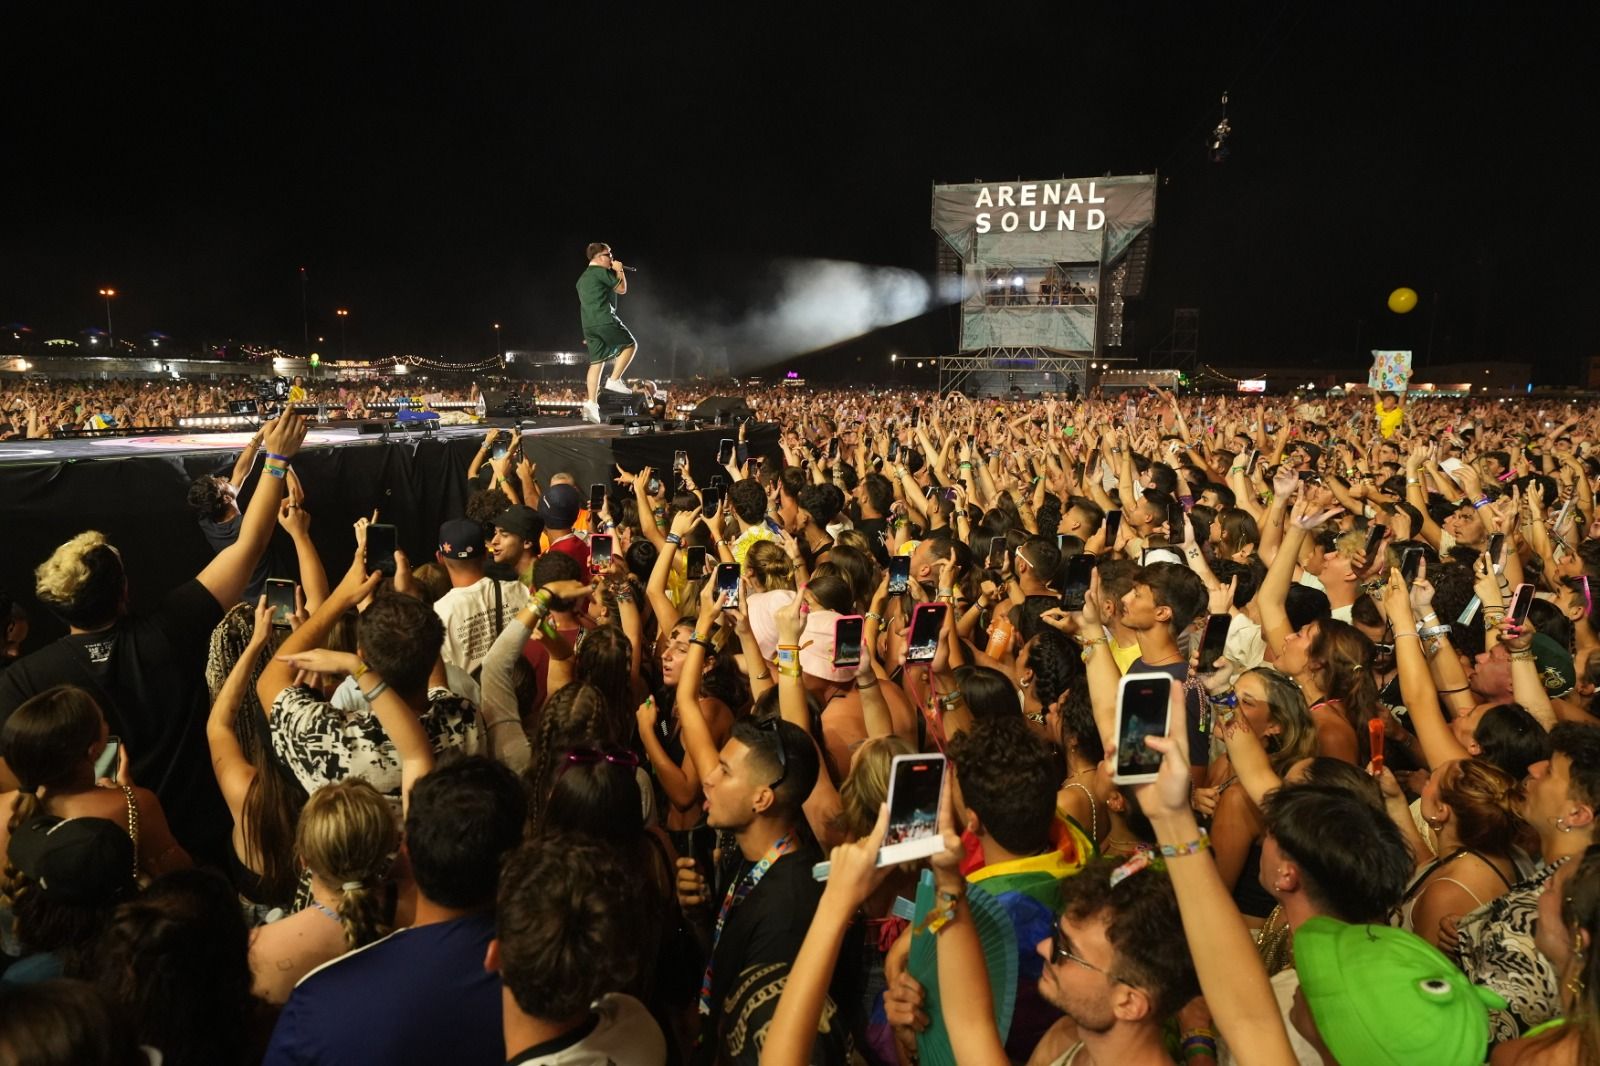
x,y
344,349
111,339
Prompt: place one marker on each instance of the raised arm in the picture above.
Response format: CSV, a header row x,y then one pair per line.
x,y
226,576
246,460
502,717
356,586
1439,744
233,770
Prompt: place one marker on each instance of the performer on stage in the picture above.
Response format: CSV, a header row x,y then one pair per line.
x,y
599,286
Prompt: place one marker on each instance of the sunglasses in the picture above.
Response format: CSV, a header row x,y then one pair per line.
x,y
771,724
590,756
1061,951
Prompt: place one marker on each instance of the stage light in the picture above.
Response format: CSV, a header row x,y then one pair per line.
x,y
94,340
1017,281
919,366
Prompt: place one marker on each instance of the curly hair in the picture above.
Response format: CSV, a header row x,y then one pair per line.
x,y
1008,777
400,638
568,925
348,836
1142,924
1483,800
1077,727
83,581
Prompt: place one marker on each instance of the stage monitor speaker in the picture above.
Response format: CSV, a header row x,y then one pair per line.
x,y
725,408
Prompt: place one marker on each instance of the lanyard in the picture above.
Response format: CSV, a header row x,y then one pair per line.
x,y
736,893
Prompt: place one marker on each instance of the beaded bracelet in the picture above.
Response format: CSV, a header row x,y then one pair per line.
x,y
1193,847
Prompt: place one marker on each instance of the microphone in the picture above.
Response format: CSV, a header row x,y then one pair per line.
x,y
629,269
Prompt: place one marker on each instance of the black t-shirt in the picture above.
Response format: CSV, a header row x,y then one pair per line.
x,y
768,926
148,674
877,530
220,535
1199,735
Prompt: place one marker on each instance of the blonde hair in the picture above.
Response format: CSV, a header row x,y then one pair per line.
x,y
82,581
769,567
348,836
866,789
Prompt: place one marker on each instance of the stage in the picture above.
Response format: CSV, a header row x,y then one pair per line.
x,y
133,489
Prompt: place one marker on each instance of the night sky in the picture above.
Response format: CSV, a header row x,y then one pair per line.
x,y
435,175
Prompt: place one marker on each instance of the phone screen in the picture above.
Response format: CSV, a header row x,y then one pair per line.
x,y
833,448
927,621
106,764
382,542
1113,525
1521,600
499,450
1143,706
728,584
1410,562
1075,586
1497,541
710,499
680,459
997,554
280,597
1215,640
899,575
695,562
597,498
599,552
724,452
847,640
916,788
1250,465
1374,538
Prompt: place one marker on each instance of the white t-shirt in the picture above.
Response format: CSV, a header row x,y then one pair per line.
x,y
1284,984
469,619
624,1035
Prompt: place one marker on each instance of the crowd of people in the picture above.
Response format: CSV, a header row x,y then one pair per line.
x,y
554,795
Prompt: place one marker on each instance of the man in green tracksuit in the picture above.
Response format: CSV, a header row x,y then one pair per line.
x,y
599,286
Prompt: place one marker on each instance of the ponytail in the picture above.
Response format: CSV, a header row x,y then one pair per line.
x,y
362,913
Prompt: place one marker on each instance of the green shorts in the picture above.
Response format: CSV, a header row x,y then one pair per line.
x,y
607,341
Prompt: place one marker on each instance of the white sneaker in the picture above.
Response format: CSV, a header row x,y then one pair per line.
x,y
591,413
616,385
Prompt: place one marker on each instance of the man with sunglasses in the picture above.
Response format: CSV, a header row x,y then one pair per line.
x,y
1114,964
759,910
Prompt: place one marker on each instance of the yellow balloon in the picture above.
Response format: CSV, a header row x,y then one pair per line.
x,y
1402,300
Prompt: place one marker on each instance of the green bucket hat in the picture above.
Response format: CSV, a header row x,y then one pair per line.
x,y
1555,666
1384,997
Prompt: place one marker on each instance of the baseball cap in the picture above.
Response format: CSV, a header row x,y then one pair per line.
x,y
1555,666
1381,996
461,538
78,860
762,609
520,520
560,505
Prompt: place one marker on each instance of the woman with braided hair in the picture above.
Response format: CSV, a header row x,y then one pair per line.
x,y
347,839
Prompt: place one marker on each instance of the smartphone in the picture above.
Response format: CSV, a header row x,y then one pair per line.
x,y
724,452
916,417
382,542
927,622
833,448
972,440
597,499
928,492
717,481
1561,516
1143,709
847,640
894,450
1497,542
599,552
1215,639
694,561
702,848
710,499
727,586
499,450
280,597
1175,523
997,554
899,575
1375,742
680,459
1113,526
106,764
1075,586
1521,600
1410,561
1250,464
1374,538
916,788
752,466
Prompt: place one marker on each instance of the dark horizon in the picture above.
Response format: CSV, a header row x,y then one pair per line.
x,y
435,176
